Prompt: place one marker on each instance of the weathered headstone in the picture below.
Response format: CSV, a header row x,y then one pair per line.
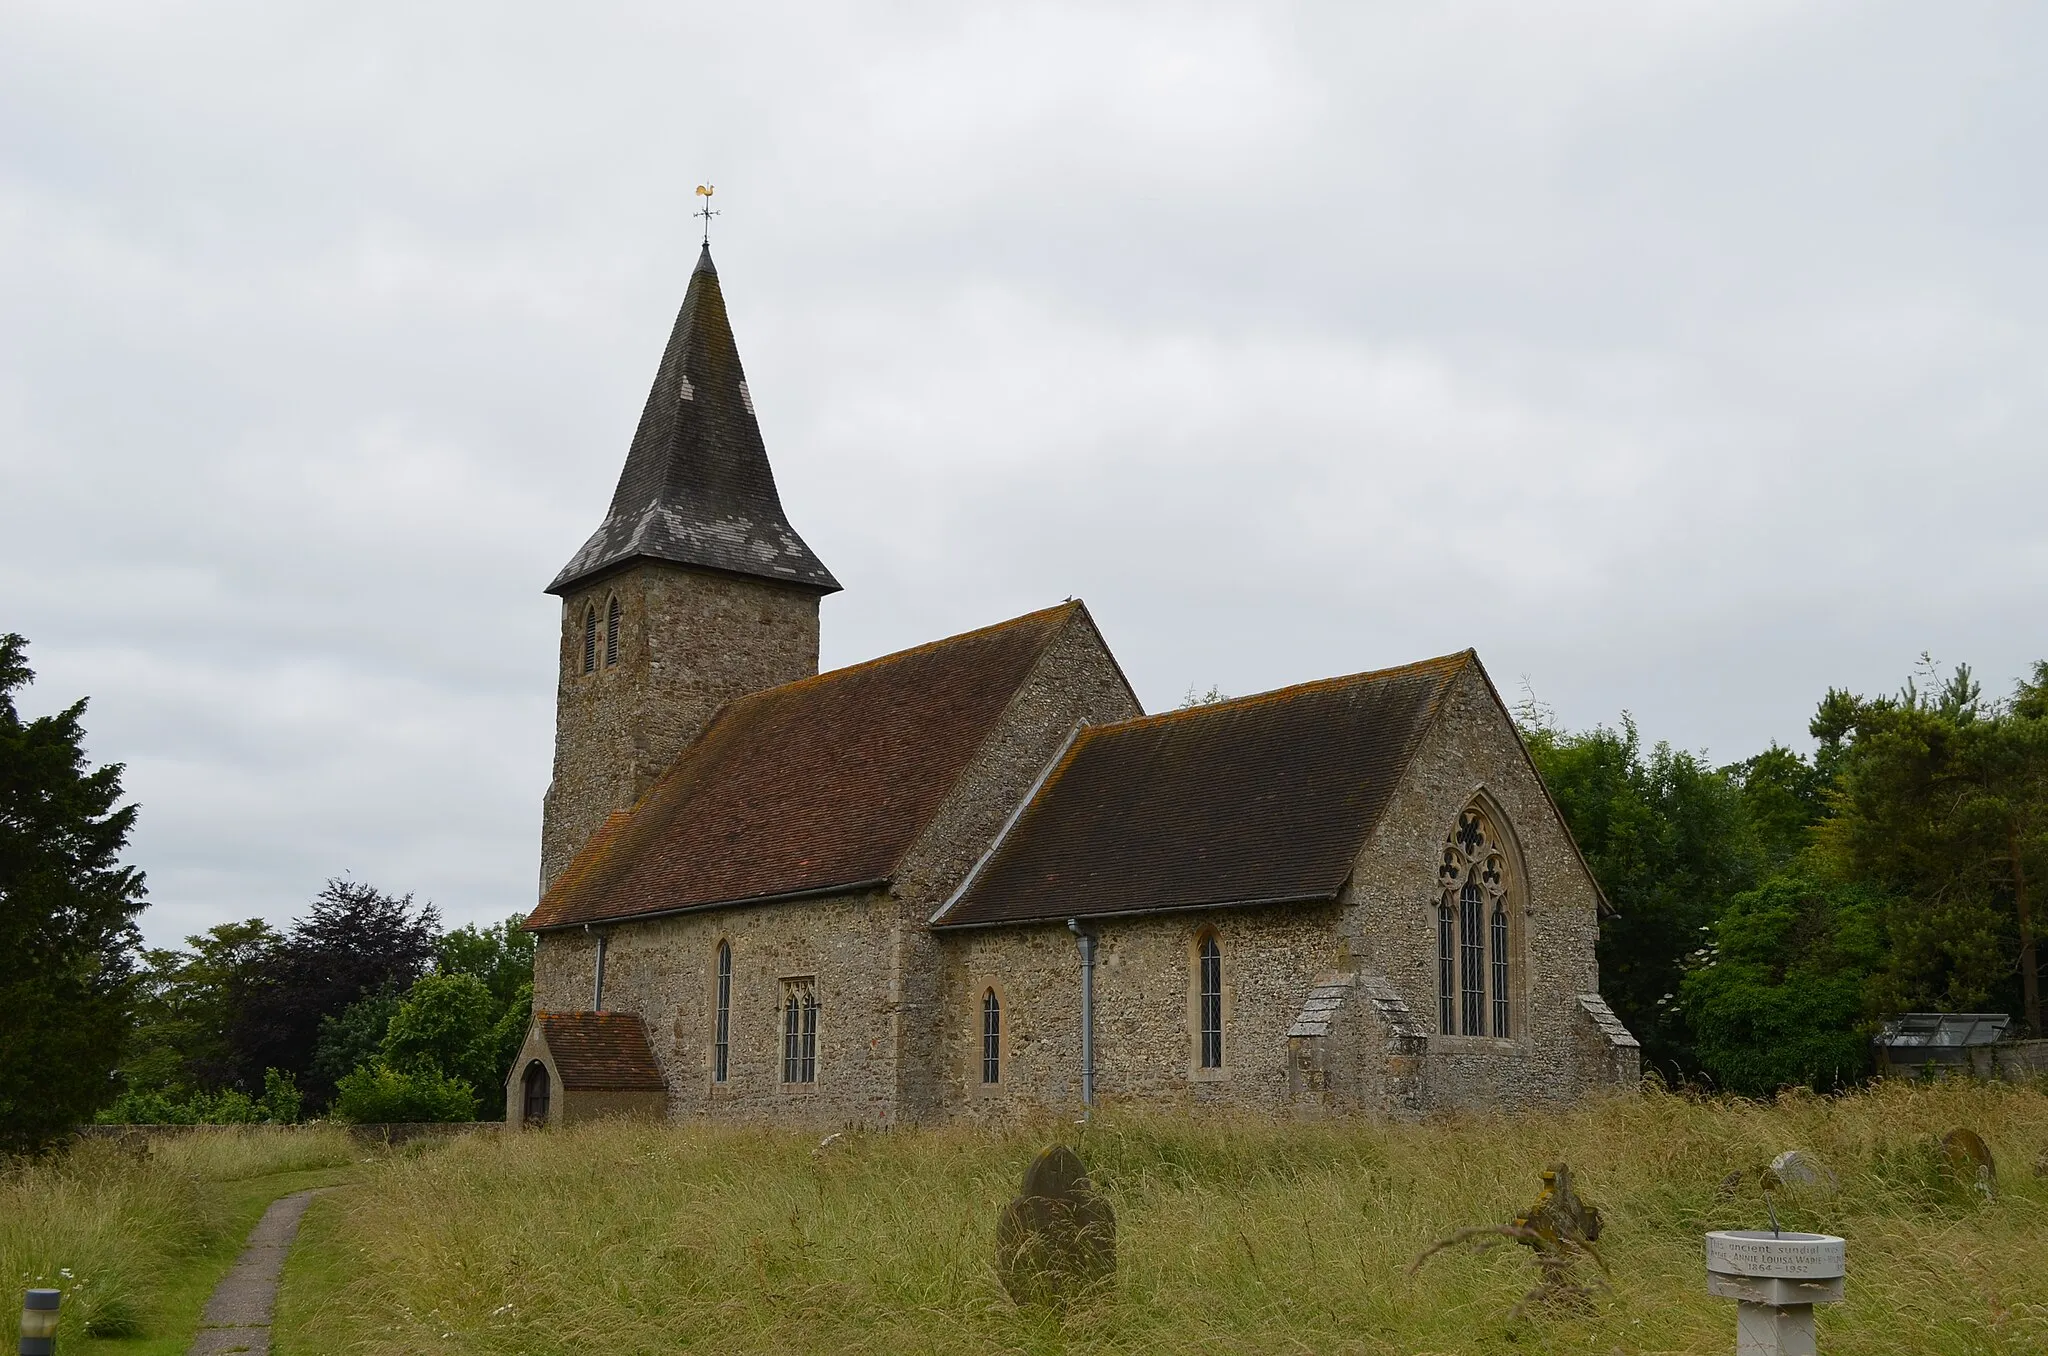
x,y
1057,1240
1969,1158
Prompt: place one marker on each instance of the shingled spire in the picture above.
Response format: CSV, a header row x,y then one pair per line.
x,y
697,489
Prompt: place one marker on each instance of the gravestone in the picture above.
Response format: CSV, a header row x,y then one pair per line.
x,y
1057,1239
1969,1158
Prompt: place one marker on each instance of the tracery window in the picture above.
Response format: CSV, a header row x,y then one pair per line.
x,y
1472,930
991,1038
611,632
800,1030
590,640
1210,963
721,1044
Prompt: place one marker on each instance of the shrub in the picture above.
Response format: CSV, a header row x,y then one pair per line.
x,y
279,1105
379,1094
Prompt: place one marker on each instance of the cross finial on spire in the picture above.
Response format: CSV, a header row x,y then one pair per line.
x,y
705,191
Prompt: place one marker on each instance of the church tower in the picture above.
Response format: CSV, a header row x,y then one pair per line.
x,y
695,590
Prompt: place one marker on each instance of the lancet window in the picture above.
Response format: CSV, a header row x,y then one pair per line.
x,y
1473,975
590,640
991,1037
721,1044
611,632
1209,960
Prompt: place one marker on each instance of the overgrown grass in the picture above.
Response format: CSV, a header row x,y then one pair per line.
x,y
1244,1237
133,1236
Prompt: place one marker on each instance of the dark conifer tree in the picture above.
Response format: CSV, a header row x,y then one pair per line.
x,y
67,918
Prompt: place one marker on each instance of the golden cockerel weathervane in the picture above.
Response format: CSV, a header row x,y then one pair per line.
x,y
705,191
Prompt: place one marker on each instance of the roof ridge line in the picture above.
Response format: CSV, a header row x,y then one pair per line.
x,y
897,655
1452,662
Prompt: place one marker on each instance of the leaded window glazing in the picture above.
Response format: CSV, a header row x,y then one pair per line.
x,y
991,1038
1212,1003
799,1031
721,1044
1473,943
1446,970
1500,967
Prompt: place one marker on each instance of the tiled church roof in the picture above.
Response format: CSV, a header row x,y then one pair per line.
x,y
601,1051
816,786
697,489
1266,799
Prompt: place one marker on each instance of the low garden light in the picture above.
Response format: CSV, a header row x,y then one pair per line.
x,y
39,1323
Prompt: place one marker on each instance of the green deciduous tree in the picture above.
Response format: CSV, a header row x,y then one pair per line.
x,y
1665,836
1784,993
67,917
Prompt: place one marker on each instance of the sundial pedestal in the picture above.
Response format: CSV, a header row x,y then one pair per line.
x,y
1775,1280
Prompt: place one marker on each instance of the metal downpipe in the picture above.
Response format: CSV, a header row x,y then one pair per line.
x,y
1087,1015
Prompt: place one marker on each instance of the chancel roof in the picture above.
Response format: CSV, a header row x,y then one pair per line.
x,y
814,787
1265,799
697,488
601,1051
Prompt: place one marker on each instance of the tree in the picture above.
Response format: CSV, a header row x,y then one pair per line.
x,y
1942,801
1784,993
1665,836
189,1004
354,940
67,917
451,1024
501,955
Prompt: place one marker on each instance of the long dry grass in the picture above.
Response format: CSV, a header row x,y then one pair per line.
x,y
1232,1238
107,1222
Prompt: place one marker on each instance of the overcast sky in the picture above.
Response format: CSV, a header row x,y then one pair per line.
x,y
1685,359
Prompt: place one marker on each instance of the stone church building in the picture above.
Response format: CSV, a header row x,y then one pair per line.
x,y
975,880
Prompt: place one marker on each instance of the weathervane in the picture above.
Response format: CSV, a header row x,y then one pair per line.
x,y
705,191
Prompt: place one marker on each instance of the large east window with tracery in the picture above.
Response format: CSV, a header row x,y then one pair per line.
x,y
1472,930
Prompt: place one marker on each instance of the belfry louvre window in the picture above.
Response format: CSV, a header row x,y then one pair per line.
x,y
611,632
799,1030
1211,966
1473,971
590,640
991,1038
721,1041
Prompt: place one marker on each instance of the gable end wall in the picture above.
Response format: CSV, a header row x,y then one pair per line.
x,y
1388,926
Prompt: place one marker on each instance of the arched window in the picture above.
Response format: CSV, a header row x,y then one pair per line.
x,y
535,1108
1446,968
721,1038
1210,963
1473,976
799,1031
991,1038
611,632
590,640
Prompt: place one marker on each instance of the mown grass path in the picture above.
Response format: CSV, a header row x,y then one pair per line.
x,y
237,1317
179,1302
